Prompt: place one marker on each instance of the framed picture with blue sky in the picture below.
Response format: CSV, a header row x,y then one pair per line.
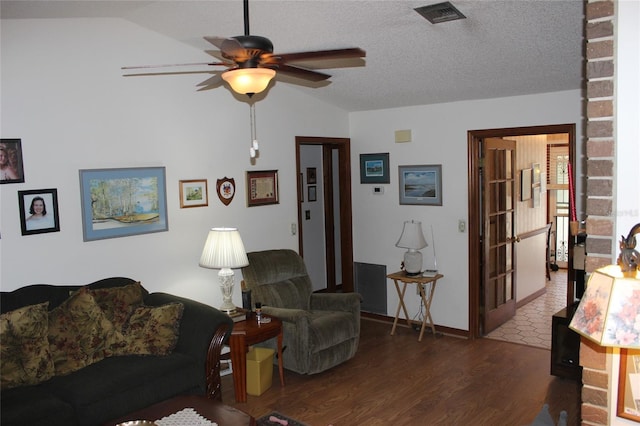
x,y
374,168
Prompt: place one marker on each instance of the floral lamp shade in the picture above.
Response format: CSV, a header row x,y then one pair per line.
x,y
609,312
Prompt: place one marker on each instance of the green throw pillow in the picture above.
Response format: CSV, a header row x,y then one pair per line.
x,y
24,348
79,333
152,330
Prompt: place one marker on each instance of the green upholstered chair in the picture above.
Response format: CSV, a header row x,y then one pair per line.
x,y
321,330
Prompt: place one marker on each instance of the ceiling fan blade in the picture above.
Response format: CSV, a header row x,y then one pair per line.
x,y
230,48
353,52
216,80
302,73
193,64
218,55
216,41
211,83
144,74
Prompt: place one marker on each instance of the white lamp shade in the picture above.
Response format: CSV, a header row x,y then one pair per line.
x,y
412,236
223,249
248,80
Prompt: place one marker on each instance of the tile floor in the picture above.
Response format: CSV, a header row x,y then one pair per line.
x,y
531,325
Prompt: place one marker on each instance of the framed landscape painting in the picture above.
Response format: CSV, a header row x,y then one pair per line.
x,y
374,168
123,202
421,185
194,193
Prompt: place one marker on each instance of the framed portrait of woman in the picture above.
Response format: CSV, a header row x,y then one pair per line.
x,y
38,211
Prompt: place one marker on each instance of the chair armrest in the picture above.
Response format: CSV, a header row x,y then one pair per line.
x,y
347,302
286,314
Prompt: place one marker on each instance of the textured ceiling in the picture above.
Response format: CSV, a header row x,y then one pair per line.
x,y
502,48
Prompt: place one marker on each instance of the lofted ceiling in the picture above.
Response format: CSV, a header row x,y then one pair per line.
x,y
502,48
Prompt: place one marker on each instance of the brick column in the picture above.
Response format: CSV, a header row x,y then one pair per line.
x,y
600,152
600,132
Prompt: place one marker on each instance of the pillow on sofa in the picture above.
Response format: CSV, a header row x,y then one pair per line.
x,y
24,348
79,333
152,330
118,303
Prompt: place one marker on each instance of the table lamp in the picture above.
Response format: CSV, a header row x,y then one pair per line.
x,y
413,240
224,250
609,311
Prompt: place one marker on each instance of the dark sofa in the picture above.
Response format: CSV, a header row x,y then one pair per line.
x,y
117,385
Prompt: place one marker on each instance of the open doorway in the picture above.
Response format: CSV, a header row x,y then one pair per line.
x,y
325,241
476,141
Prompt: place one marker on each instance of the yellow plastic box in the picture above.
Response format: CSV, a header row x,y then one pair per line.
x,y
259,370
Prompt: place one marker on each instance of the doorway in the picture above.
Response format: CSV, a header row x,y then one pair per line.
x,y
477,201
323,167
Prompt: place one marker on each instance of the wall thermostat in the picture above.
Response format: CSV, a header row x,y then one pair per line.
x,y
378,190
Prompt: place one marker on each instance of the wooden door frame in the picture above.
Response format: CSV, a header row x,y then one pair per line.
x,y
343,145
474,138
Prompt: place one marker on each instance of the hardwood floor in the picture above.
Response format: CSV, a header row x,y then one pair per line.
x,y
396,380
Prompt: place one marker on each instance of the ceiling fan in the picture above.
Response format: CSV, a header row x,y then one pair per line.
x,y
251,64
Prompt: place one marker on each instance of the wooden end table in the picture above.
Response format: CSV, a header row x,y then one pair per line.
x,y
426,287
244,334
211,409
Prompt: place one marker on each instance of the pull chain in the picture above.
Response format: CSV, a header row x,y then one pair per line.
x,y
254,137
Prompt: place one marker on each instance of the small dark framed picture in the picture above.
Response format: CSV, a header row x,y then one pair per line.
x,y
11,170
311,175
312,193
38,211
374,168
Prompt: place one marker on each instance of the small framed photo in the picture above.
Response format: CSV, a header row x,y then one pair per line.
x,y
629,385
525,184
311,193
421,185
11,170
311,176
39,211
193,193
262,188
374,168
123,202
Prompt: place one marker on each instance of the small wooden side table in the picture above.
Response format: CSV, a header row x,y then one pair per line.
x,y
426,287
244,334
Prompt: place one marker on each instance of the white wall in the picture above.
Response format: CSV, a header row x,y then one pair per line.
x,y
64,95
439,137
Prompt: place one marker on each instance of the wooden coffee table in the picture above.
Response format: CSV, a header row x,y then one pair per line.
x,y
244,334
211,409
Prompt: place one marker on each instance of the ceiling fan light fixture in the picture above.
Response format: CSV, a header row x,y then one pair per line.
x,y
248,81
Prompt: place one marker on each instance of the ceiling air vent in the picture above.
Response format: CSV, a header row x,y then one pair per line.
x,y
441,12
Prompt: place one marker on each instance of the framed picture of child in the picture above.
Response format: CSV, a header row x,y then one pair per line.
x,y
11,170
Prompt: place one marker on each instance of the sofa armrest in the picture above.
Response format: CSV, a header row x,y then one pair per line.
x,y
199,326
214,383
347,302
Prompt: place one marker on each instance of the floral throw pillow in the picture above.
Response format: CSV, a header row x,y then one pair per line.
x,y
79,333
118,303
24,348
153,330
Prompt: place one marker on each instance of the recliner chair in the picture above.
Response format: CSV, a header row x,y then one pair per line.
x,y
321,330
